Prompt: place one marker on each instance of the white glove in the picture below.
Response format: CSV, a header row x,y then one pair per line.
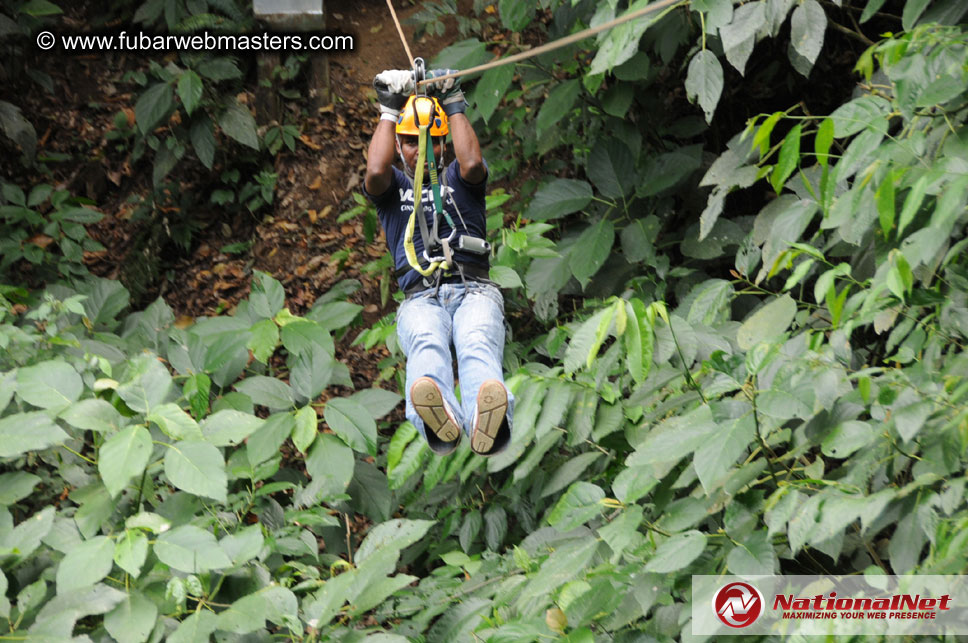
x,y
397,81
392,88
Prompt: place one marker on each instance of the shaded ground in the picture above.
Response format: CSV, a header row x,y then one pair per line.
x,y
295,239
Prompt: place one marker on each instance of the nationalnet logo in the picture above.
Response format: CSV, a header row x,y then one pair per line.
x,y
898,606
819,605
738,604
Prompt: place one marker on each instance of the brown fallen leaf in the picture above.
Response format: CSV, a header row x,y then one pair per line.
x,y
41,240
309,143
317,183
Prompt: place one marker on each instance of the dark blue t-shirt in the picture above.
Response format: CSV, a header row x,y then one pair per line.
x,y
396,203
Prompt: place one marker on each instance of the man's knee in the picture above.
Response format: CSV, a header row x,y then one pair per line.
x,y
424,340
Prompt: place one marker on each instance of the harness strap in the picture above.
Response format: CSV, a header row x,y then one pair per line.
x,y
408,246
438,202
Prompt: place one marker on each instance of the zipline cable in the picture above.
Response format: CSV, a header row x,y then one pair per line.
x,y
403,38
555,44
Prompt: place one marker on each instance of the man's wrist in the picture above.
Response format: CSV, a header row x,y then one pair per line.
x,y
454,104
389,116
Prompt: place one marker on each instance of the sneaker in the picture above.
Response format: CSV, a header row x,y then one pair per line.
x,y
489,424
436,414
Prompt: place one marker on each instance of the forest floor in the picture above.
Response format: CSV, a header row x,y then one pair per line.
x,y
295,238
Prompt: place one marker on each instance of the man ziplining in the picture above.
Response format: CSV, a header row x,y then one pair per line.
x,y
443,271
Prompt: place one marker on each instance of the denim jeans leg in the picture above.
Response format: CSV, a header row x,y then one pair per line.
x,y
479,342
424,330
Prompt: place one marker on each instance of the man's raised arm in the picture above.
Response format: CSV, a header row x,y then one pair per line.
x,y
392,87
466,146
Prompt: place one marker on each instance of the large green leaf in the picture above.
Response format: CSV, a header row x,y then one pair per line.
x,y
28,432
123,456
198,468
491,88
263,340
596,246
237,122
788,160
53,385
176,423
55,621
16,485
311,371
853,116
353,423
704,81
244,545
675,438
807,27
203,139
85,564
739,36
848,437
411,460
378,401
131,551
558,103
578,505
397,534
229,427
245,615
623,530
515,15
93,414
132,620
584,339
495,527
677,552
754,556
568,472
559,198
147,384
152,106
265,442
461,55
190,550
190,90
197,627
306,428
267,391
334,315
330,464
300,336
767,322
564,564
611,168
713,459
622,42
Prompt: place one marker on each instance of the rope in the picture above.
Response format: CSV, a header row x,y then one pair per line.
x,y
557,44
403,38
408,247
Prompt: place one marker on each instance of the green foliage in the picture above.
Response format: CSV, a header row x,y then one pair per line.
x,y
150,452
798,405
45,228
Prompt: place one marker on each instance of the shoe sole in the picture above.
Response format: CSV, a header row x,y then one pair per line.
x,y
492,405
429,404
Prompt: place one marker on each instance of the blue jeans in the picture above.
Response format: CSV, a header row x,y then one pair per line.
x,y
471,319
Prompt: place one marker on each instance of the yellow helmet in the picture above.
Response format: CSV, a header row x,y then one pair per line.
x,y
421,110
